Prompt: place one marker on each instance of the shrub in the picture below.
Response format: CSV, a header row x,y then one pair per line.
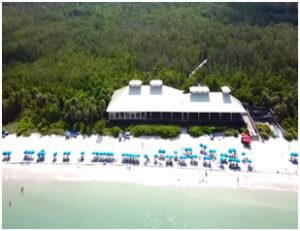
x,y
114,131
24,126
164,131
264,135
288,136
195,131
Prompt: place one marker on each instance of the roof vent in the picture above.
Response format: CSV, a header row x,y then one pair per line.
x,y
226,90
199,90
135,83
156,83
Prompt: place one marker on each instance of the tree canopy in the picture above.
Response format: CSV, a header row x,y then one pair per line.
x,y
62,61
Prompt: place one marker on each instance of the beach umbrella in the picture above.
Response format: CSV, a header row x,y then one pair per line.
x,y
222,159
175,152
204,146
231,159
82,153
294,154
201,145
230,150
4,153
182,157
207,157
55,154
243,154
210,151
237,160
146,156
169,156
249,161
155,155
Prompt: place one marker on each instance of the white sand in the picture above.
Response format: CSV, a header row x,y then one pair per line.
x,y
268,158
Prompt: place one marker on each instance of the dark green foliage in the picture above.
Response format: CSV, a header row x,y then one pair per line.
x,y
164,131
197,131
264,131
114,131
288,136
62,61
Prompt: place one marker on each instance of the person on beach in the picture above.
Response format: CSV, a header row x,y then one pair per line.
x,y
206,173
22,190
9,203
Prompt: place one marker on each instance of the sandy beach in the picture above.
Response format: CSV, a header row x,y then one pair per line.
x,y
272,168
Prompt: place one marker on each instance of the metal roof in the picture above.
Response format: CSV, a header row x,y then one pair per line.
x,y
168,99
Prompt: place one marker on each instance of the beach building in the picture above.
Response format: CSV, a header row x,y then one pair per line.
x,y
158,102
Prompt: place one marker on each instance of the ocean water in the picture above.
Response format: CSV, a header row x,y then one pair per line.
x,y
57,204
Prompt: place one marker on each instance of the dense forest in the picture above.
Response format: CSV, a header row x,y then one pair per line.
x,y
62,61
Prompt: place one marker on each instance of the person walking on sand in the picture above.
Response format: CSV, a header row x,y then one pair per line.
x,y
22,190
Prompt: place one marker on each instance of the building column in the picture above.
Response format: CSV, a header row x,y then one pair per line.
x,y
220,116
209,116
231,116
160,115
171,115
198,115
181,115
150,115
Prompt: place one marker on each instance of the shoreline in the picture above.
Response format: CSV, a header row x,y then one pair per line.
x,y
153,176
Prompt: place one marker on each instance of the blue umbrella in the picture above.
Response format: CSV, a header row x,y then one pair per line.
x,y
249,161
82,153
175,152
237,160
294,154
155,156
169,156
207,157
186,149
210,150
225,155
183,157
231,159
9,153
230,150
222,159
233,150
55,154
146,156
204,146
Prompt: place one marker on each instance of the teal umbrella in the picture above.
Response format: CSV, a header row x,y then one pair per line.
x,y
294,154
155,156
82,153
249,161
146,156
55,154
243,154
201,145
175,152
207,157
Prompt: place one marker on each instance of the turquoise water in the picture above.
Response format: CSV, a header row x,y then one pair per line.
x,y
119,205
